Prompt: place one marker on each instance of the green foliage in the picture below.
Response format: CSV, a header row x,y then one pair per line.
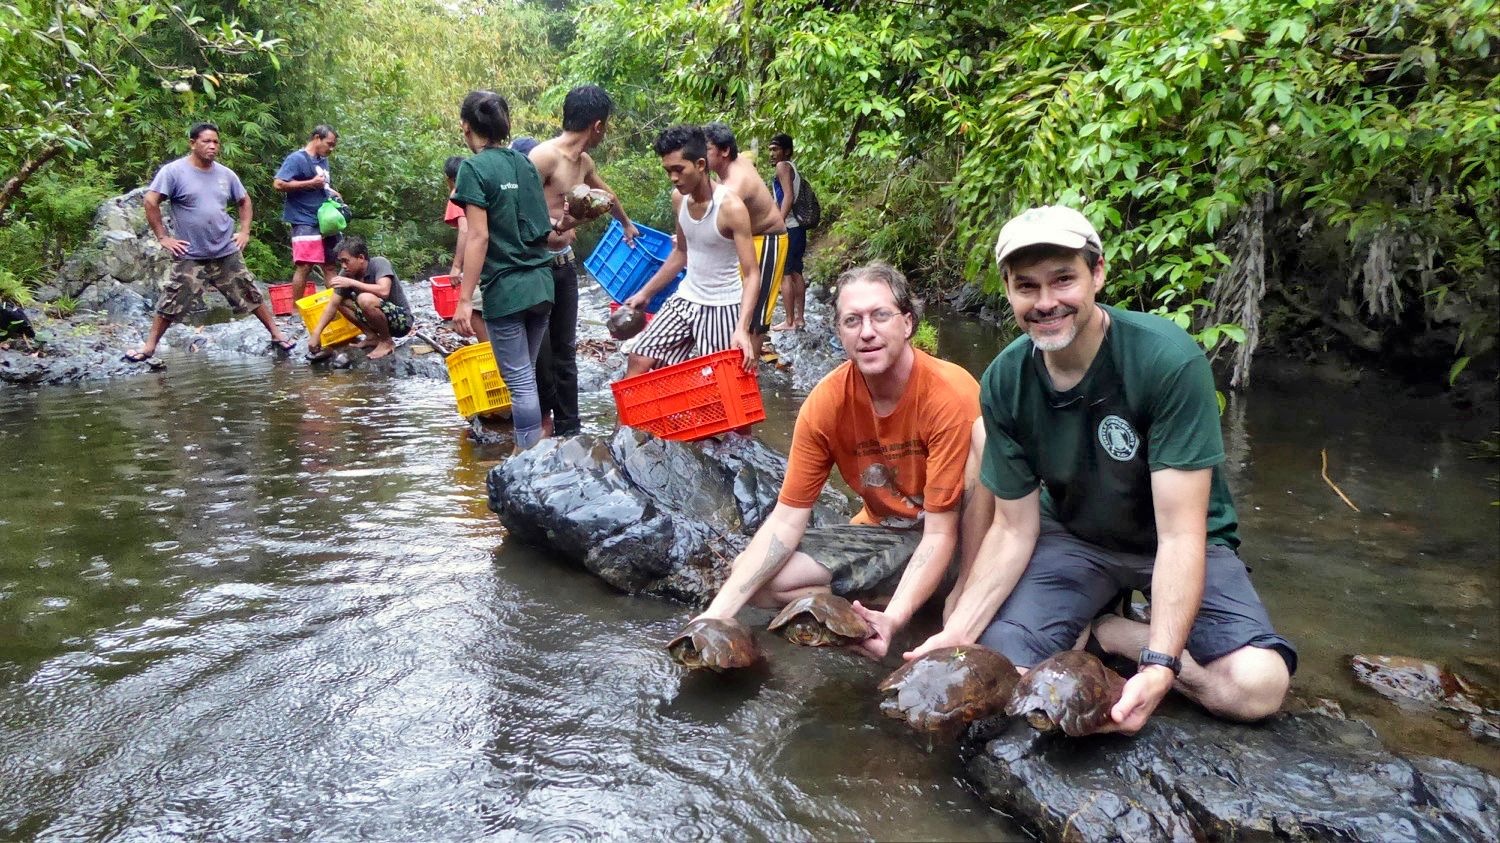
x,y
13,288
1365,125
926,338
77,75
62,306
264,263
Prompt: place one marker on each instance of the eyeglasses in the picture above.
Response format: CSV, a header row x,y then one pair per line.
x,y
853,321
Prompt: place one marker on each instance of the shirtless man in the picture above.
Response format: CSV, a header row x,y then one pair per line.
x,y
564,163
766,222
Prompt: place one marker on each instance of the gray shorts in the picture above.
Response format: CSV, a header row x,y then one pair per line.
x,y
861,557
1069,581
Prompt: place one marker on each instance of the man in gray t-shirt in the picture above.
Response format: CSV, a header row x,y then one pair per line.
x,y
207,247
368,293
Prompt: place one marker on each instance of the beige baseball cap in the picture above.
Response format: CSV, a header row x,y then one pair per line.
x,y
1055,225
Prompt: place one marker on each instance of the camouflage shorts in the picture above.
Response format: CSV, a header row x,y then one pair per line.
x,y
228,275
397,318
861,558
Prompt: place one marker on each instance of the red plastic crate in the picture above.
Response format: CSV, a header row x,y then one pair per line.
x,y
281,299
614,305
692,400
445,292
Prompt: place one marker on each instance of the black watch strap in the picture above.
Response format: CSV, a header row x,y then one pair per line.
x,y
1172,663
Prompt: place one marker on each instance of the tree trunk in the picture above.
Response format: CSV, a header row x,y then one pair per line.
x,y
14,185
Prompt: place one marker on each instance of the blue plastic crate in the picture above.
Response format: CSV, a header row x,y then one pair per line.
x,y
623,271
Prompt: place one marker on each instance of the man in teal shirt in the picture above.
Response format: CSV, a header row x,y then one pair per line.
x,y
1103,450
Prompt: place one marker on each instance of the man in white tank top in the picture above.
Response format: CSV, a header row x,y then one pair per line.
x,y
713,308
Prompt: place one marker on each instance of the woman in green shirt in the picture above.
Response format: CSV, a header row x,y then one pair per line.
x,y
505,254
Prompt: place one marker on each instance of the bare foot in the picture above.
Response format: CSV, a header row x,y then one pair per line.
x,y
382,349
783,326
799,325
368,342
547,426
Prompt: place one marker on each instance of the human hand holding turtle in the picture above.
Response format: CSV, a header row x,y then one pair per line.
x,y
585,203
1142,693
883,629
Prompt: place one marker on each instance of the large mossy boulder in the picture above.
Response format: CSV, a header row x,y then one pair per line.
x,y
120,249
647,515
1187,776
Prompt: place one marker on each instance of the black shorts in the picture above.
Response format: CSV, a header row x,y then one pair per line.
x,y
796,248
1069,580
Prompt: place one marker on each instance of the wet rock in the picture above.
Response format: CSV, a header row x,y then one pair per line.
x,y
1412,680
1406,681
121,248
972,298
69,352
1187,776
646,515
490,431
811,353
118,302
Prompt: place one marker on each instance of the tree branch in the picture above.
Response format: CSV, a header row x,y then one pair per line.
x,y
28,169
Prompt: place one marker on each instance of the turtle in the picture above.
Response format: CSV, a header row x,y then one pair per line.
x,y
625,322
585,203
715,644
945,689
1071,691
820,620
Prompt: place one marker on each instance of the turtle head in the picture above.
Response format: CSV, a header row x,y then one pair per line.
x,y
1041,721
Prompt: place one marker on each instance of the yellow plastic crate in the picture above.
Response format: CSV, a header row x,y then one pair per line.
x,y
476,382
338,331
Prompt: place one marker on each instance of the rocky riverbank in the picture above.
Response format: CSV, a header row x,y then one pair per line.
x,y
115,279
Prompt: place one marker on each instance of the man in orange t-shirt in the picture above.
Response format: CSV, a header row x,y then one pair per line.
x,y
899,424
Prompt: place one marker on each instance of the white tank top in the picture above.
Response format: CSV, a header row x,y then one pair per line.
x,y
713,265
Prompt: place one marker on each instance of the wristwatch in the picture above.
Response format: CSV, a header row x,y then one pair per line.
x,y
1150,657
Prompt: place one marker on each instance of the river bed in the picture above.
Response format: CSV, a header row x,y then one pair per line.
x,y
249,600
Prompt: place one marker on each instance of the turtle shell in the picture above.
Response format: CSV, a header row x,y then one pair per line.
x,y
1072,691
586,203
715,644
943,690
820,620
625,323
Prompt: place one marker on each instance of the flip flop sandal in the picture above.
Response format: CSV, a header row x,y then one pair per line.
x,y
135,357
285,345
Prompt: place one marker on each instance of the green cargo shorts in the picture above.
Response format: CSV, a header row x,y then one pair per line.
x,y
228,275
861,558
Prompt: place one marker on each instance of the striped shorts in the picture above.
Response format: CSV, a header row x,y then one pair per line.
x,y
683,330
771,249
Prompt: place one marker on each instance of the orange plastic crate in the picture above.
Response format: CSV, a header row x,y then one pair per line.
x,y
692,400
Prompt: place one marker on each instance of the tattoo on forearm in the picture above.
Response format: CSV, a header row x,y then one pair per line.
x,y
775,555
920,558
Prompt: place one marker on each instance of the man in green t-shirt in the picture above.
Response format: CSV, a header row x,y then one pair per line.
x,y
1103,450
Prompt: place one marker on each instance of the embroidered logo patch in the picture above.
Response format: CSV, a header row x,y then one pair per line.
x,y
1118,438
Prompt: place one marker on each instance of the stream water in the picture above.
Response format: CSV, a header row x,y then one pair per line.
x,y
246,600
